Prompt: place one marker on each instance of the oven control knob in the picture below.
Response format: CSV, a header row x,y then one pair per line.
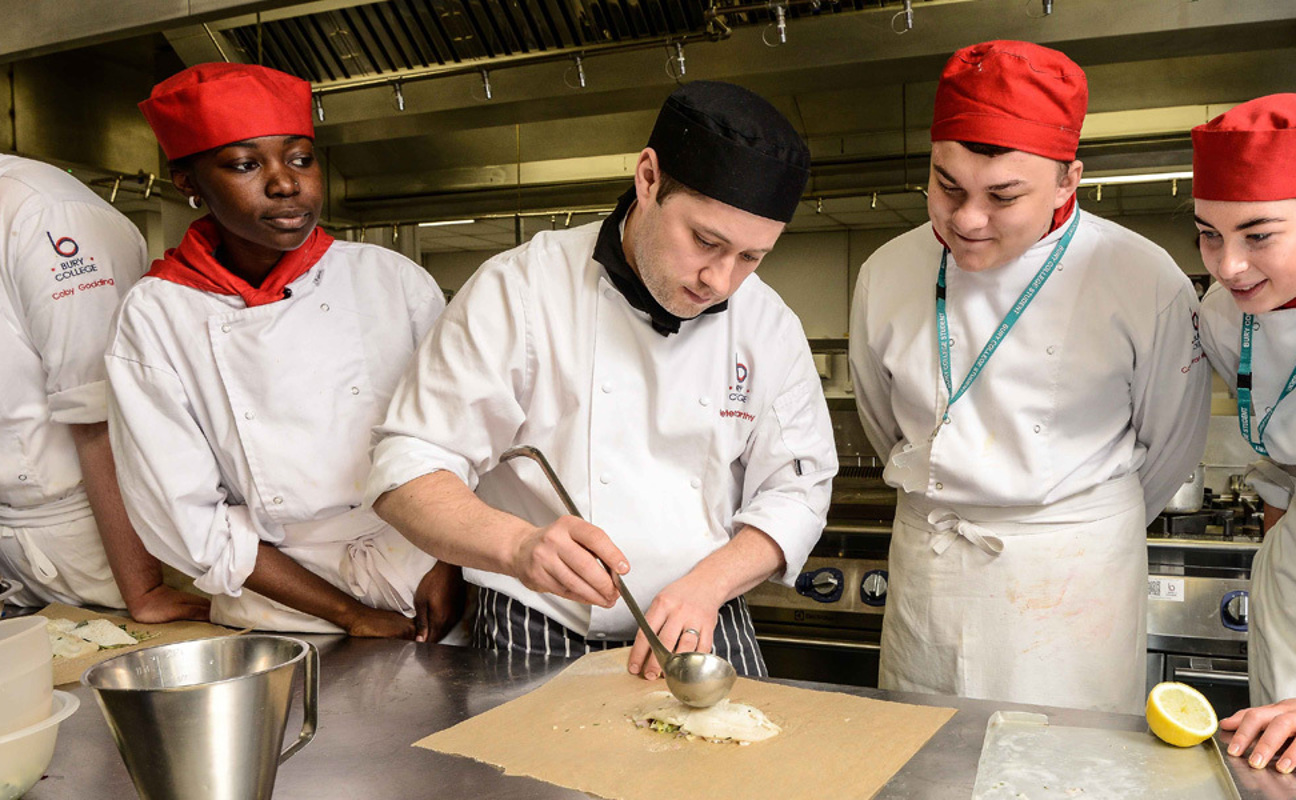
x,y
823,585
1235,611
873,588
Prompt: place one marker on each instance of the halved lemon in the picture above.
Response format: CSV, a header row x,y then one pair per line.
x,y
1180,715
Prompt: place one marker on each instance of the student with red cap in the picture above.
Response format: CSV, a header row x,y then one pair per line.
x,y
1030,373
1244,197
248,366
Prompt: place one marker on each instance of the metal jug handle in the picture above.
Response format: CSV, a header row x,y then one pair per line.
x,y
310,703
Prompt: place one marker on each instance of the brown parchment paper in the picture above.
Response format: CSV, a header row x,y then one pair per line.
x,y
68,670
575,731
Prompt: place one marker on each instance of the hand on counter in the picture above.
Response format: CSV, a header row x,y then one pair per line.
x,y
1269,728
372,623
684,616
438,602
562,558
164,604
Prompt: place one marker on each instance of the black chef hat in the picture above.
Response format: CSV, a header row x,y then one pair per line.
x,y
733,146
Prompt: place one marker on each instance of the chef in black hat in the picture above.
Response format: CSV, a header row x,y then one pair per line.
x,y
672,391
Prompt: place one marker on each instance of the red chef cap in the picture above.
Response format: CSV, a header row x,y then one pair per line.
x,y
1248,153
209,105
1012,94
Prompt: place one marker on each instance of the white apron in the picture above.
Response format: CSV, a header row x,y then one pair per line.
x,y
1043,605
1271,639
59,561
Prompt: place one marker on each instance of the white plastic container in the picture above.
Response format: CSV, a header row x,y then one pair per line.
x,y
26,673
25,754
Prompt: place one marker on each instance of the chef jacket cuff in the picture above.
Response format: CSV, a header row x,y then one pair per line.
x,y
230,569
397,460
1273,483
792,525
81,405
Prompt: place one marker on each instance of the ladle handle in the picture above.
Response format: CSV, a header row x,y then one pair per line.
x,y
527,451
310,704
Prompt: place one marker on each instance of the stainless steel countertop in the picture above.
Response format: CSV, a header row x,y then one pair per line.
x,y
378,696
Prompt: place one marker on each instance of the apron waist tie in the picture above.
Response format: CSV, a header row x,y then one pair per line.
x,y
948,526
41,566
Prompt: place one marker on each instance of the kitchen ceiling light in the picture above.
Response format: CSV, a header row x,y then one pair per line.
x,y
1149,177
440,223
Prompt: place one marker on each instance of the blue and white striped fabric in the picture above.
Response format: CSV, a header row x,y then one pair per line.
x,y
503,623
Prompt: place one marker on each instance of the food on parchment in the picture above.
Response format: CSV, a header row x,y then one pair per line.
x,y
1180,715
724,722
69,639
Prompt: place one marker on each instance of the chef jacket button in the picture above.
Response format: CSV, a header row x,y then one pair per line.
x,y
355,390
953,342
607,388
609,293
1255,326
695,483
278,500
1037,429
600,636
940,486
706,401
605,478
947,420
249,415
225,328
22,477
323,306
1052,349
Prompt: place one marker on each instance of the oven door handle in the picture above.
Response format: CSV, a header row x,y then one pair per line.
x,y
1210,675
806,641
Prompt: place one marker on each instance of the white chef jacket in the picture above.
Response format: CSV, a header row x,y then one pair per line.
x,y
1271,661
68,258
1100,377
233,426
670,444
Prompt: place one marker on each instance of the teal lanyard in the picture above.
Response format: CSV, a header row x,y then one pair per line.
x,y
1027,295
1244,390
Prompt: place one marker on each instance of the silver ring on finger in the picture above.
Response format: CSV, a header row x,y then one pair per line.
x,y
693,631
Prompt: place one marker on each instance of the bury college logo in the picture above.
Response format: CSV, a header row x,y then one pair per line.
x,y
65,246
71,266
741,387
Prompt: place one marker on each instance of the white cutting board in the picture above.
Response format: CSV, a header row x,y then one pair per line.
x,y
1026,758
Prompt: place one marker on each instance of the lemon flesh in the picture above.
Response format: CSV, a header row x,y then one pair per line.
x,y
1180,715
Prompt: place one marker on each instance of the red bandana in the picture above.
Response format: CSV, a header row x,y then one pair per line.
x,y
194,264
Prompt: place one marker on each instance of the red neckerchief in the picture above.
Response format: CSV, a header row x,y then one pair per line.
x,y
194,264
1060,215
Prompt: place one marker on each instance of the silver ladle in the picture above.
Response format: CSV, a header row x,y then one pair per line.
x,y
695,679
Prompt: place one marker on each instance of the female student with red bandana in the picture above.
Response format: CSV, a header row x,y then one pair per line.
x,y
248,366
1031,374
1244,197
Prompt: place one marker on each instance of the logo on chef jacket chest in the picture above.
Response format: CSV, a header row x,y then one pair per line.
x,y
71,263
739,390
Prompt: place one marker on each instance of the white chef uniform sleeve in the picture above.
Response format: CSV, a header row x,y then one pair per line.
x,y
871,379
169,478
789,463
1171,399
459,404
77,260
